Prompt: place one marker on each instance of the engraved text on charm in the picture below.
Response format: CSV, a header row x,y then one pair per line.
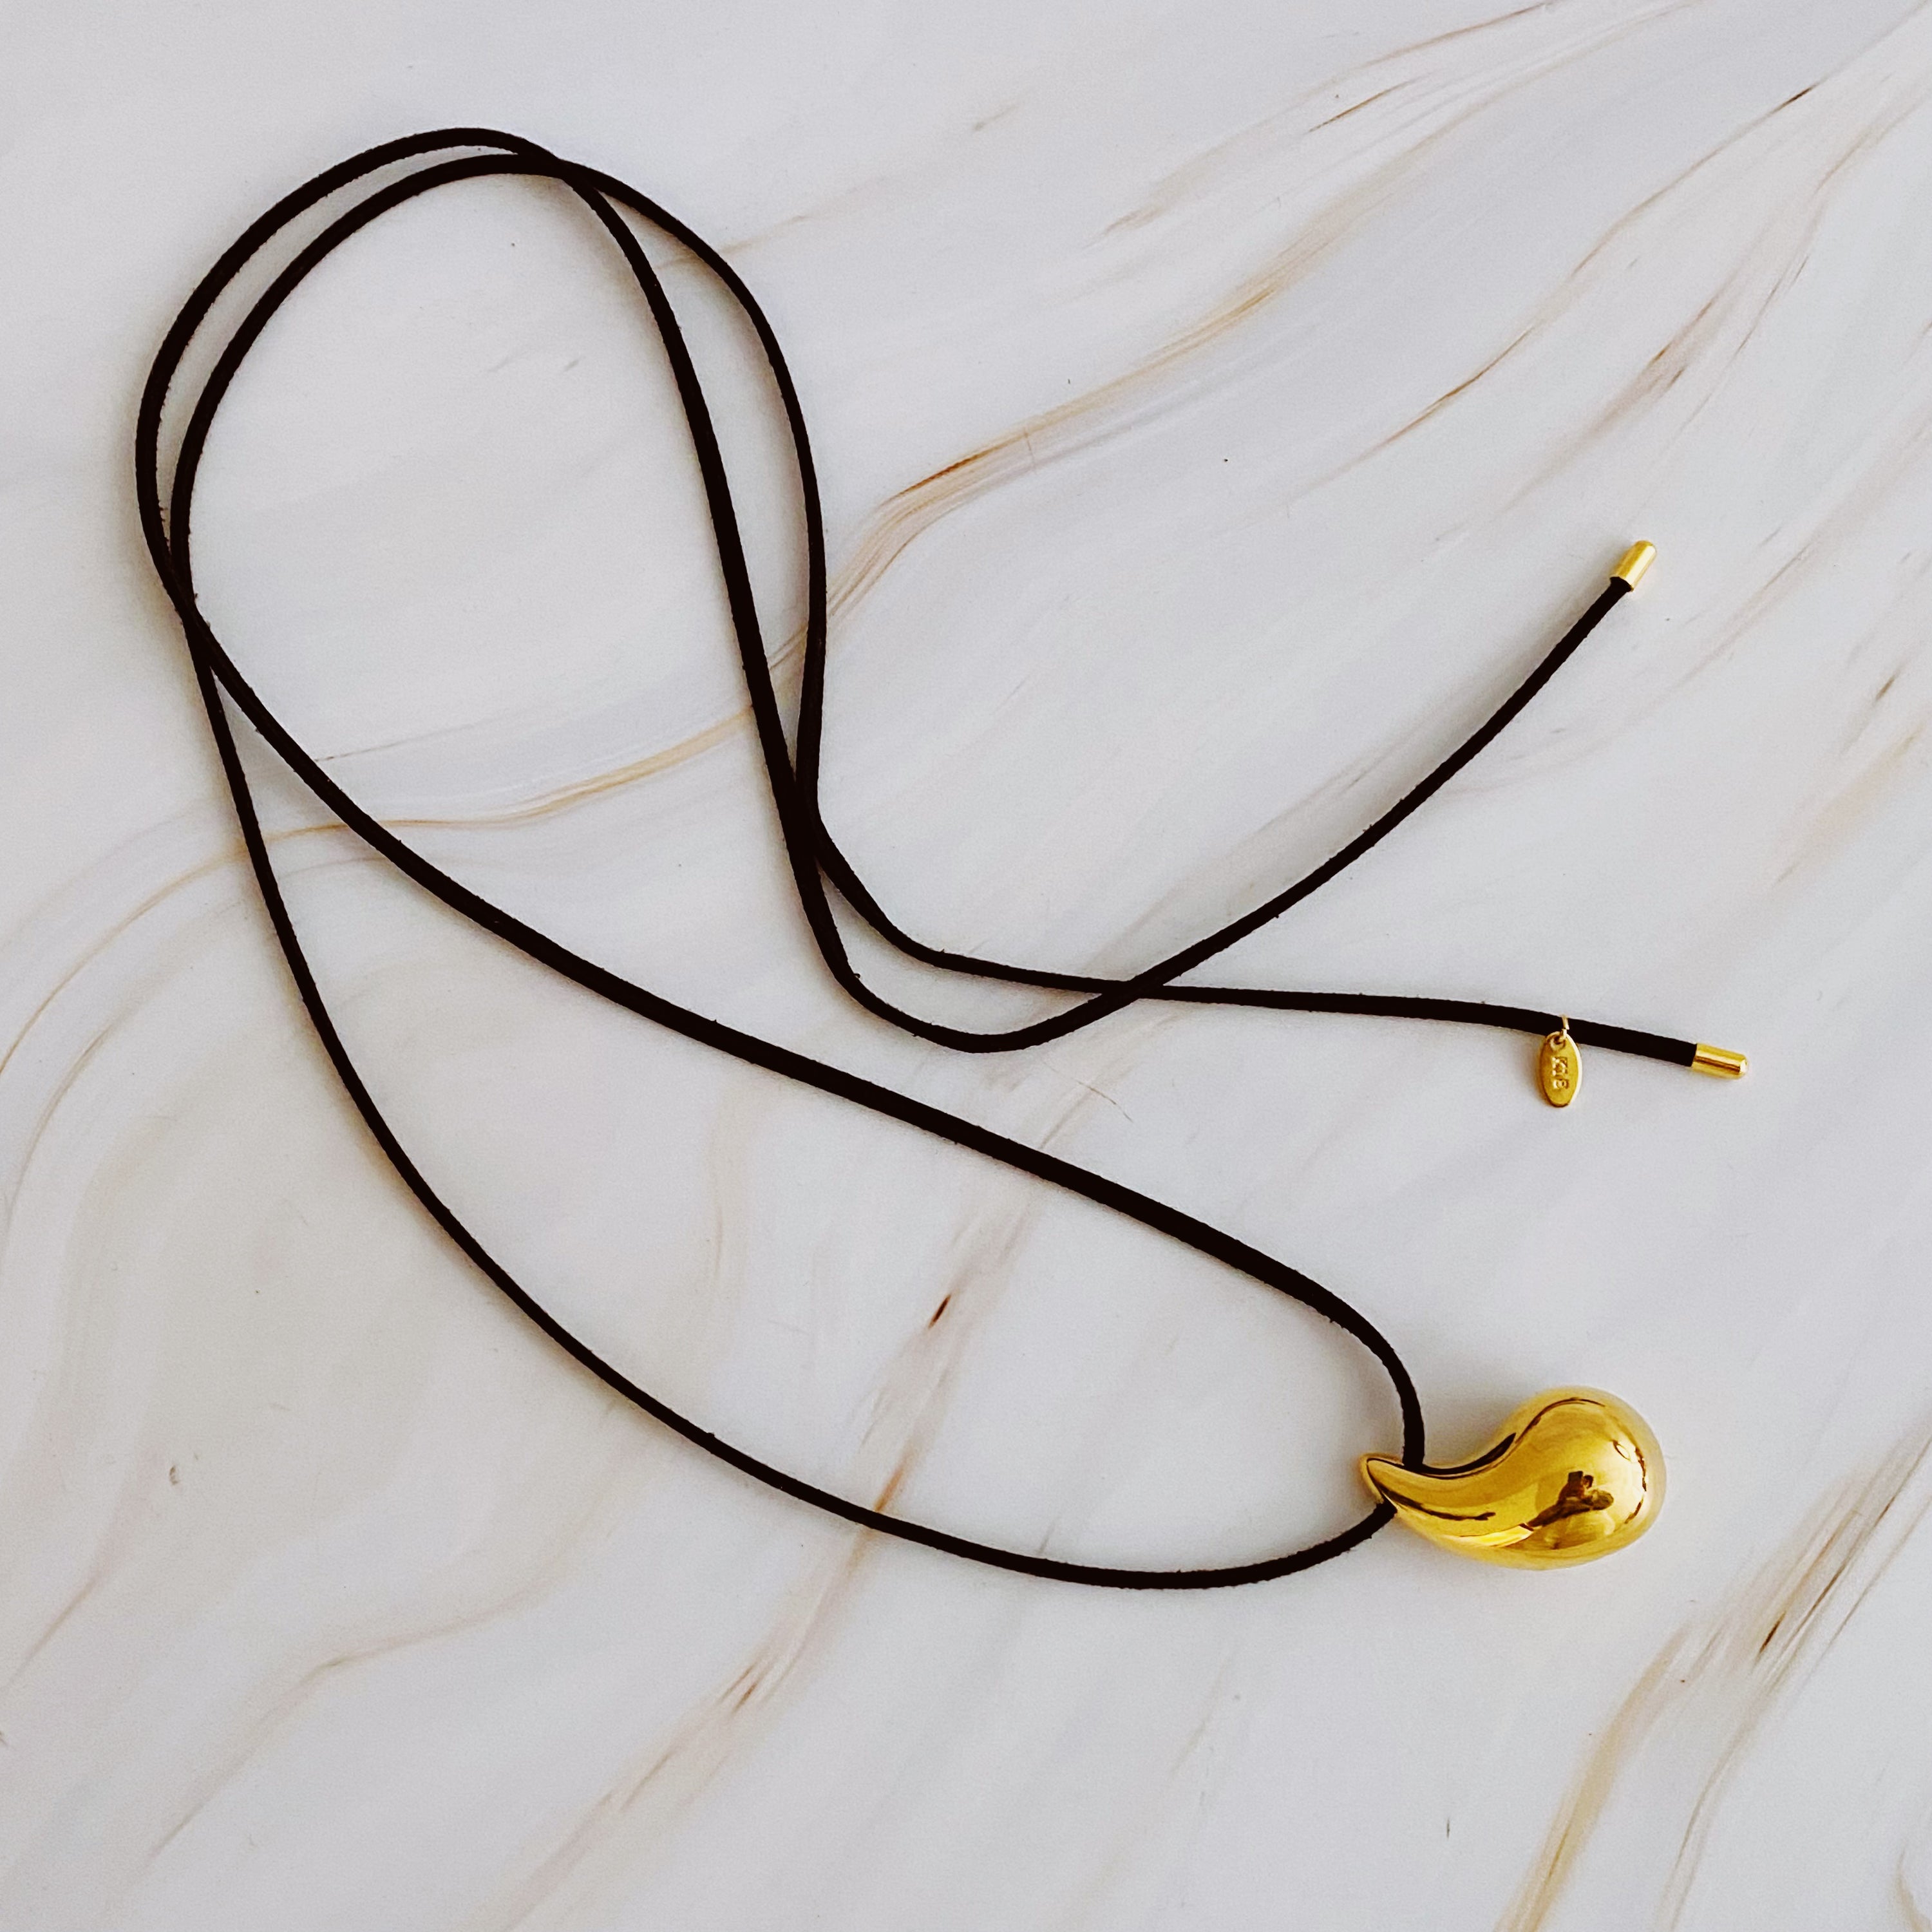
x,y
1560,1067
1577,1474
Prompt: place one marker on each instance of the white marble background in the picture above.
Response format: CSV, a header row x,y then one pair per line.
x,y
1219,404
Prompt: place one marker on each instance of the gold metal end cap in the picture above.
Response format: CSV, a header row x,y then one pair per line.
x,y
1719,1062
1636,560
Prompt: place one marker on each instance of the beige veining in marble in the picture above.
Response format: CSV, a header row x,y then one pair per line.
x,y
1218,407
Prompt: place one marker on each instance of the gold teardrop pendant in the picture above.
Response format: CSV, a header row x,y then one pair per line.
x,y
1575,1475
1560,1067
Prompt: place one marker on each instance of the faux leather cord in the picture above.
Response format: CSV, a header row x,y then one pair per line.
x,y
816,861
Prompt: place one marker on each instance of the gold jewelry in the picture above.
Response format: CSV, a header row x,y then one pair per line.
x,y
1559,1066
1577,1474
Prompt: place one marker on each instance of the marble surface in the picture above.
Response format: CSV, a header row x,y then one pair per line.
x,y
1219,406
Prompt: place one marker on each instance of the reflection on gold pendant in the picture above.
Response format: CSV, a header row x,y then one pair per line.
x,y
1577,1474
1560,1067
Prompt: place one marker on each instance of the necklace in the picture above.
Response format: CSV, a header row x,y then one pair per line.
x,y
1573,1473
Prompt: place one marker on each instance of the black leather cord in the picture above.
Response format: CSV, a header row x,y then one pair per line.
x,y
813,855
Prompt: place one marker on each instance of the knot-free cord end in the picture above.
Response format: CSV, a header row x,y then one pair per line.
x,y
1719,1062
1636,560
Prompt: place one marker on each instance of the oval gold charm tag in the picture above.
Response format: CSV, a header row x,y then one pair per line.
x,y
1560,1067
